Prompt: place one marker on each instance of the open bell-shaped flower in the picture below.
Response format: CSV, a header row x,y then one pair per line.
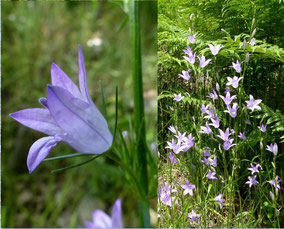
x,y
69,116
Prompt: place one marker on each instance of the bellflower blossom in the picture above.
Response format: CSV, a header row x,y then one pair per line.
x,y
247,57
215,122
211,175
204,108
242,136
188,142
178,97
228,99
262,128
252,42
272,148
188,188
184,75
165,195
275,182
234,81
191,58
220,199
213,95
224,135
180,137
193,217
206,153
69,116
206,129
176,147
232,110
102,220
188,51
172,129
215,49
213,162
172,158
237,66
254,169
191,39
252,104
252,181
203,61
228,144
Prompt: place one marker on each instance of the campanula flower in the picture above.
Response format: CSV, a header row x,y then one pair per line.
x,y
180,137
191,39
69,116
203,62
228,99
206,153
188,142
252,181
219,198
165,195
247,57
272,148
224,135
193,217
172,158
184,75
215,122
252,103
228,144
252,42
172,129
232,110
206,129
244,44
254,169
215,49
178,97
234,81
275,182
213,95
262,128
204,108
242,136
102,220
213,162
211,175
191,58
188,51
176,147
188,188
237,66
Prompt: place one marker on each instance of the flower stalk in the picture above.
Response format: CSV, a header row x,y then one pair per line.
x,y
139,118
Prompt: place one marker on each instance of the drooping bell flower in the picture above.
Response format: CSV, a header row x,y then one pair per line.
x,y
69,116
102,220
215,49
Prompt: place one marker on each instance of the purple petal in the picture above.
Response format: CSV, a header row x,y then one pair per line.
x,y
59,78
38,119
39,151
83,76
86,132
116,217
101,219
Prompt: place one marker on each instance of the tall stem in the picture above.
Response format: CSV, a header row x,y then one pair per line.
x,y
139,119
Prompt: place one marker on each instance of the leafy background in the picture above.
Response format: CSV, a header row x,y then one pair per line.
x,y
228,23
35,34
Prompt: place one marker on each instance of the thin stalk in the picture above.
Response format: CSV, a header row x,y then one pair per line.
x,y
139,119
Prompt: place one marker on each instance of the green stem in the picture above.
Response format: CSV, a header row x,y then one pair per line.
x,y
139,119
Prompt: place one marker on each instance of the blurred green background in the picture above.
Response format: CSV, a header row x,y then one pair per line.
x,y
35,34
